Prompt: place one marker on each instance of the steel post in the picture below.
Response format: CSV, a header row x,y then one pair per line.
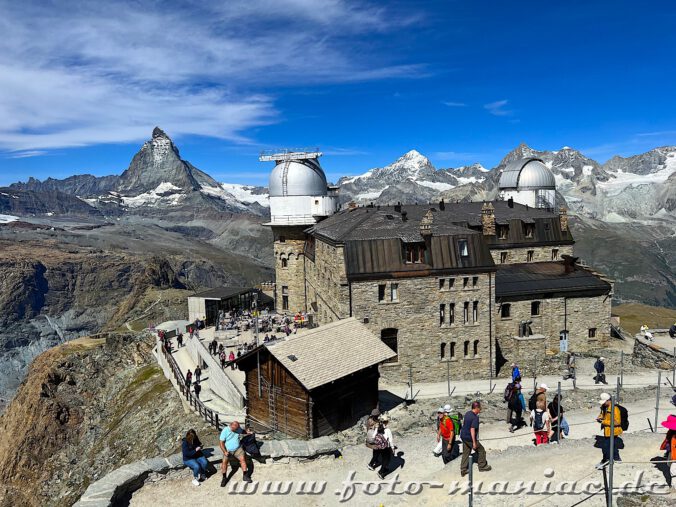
x,y
448,377
471,484
611,452
657,399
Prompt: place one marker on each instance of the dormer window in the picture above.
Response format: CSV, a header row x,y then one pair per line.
x,y
415,253
503,231
463,248
529,230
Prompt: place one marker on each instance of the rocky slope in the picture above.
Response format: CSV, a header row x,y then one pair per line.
x,y
84,409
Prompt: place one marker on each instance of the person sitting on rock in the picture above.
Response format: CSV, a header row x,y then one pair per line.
x,y
193,457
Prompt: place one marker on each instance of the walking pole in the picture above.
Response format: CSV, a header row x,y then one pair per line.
x,y
558,413
471,475
611,452
448,377
657,398
622,367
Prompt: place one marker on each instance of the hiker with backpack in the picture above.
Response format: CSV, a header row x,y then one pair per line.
x,y
620,425
600,367
384,446
540,394
371,430
514,398
541,422
555,410
515,372
446,434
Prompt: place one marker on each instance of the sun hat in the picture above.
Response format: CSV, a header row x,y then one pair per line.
x,y
602,358
603,398
384,418
543,386
447,408
670,423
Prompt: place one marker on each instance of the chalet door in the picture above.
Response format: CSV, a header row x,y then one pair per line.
x,y
563,341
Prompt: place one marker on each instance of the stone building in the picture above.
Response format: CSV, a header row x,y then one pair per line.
x,y
470,286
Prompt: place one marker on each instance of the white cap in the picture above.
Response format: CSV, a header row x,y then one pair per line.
x,y
602,358
447,408
543,386
604,397
441,409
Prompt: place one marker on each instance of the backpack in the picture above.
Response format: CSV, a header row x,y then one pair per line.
x,y
380,442
371,435
624,417
509,392
538,423
457,422
532,402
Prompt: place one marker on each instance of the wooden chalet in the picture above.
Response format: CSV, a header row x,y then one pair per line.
x,y
316,383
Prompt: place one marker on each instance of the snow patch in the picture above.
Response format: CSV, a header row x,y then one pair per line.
x,y
5,219
587,170
437,185
244,193
164,194
624,180
368,195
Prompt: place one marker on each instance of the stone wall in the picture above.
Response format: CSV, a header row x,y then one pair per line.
x,y
327,289
540,253
649,355
420,334
555,314
289,243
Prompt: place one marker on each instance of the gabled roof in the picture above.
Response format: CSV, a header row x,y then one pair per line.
x,y
329,352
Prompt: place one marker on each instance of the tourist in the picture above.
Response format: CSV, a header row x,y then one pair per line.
x,y
198,389
555,410
645,331
672,330
541,423
193,458
231,358
570,365
446,434
515,372
387,452
223,359
372,424
469,434
179,339
604,419
515,406
191,332
669,445
198,373
214,347
230,445
540,394
600,368
437,421
188,379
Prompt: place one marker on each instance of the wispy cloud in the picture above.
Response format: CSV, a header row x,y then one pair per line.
x,y
26,154
451,103
497,108
661,133
78,73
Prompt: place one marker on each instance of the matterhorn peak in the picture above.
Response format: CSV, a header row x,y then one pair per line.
x,y
158,132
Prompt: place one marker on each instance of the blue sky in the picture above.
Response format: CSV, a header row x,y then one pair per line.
x,y
82,84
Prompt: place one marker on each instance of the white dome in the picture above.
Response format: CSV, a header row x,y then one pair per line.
x,y
527,174
297,177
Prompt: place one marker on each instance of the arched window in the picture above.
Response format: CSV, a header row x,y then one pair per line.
x,y
466,348
476,348
442,352
285,262
452,354
389,338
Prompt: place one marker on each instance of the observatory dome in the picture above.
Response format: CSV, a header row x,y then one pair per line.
x,y
527,174
297,177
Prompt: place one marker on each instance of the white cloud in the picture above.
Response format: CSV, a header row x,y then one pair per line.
x,y
78,73
497,108
450,103
26,154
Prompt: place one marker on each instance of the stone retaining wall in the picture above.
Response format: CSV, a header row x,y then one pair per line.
x,y
120,483
650,355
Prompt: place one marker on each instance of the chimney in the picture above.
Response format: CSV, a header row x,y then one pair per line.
x,y
397,207
488,219
563,218
442,205
426,224
510,202
404,216
569,263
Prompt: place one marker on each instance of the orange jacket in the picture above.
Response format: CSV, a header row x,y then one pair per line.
x,y
605,422
670,445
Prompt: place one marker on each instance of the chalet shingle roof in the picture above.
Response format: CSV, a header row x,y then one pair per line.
x,y
330,352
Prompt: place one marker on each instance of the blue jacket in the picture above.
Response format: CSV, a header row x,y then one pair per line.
x,y
599,366
189,451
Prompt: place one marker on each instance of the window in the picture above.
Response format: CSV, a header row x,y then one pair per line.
x,y
442,314
503,257
465,313
451,313
505,311
285,297
394,292
285,262
451,283
282,239
475,281
442,351
592,332
475,311
389,338
442,283
463,248
476,348
381,292
415,253
316,201
452,353
555,254
465,282
465,348
535,308
503,231
529,256
529,229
